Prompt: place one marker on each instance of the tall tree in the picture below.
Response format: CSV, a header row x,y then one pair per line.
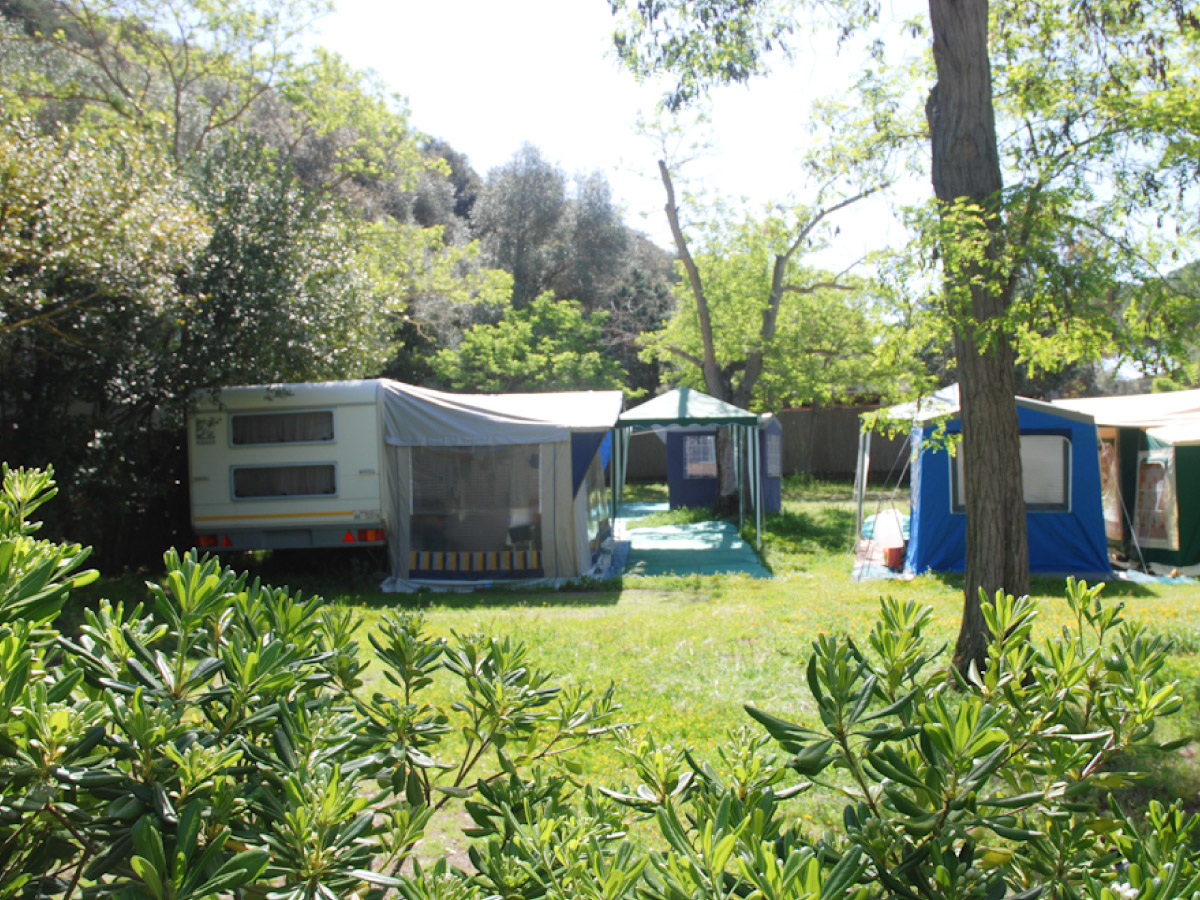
x,y
967,180
516,217
742,273
92,235
185,69
1075,96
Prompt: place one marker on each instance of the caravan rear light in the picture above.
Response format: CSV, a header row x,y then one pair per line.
x,y
370,534
206,541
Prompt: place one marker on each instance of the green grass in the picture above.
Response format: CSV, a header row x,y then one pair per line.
x,y
686,653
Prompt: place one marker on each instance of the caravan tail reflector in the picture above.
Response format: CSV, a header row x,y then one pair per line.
x,y
225,541
349,538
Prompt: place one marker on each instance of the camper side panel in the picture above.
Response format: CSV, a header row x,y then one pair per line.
x,y
295,476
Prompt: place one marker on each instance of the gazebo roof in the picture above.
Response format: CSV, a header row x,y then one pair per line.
x,y
684,406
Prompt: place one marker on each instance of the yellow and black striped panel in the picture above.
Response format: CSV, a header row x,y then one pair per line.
x,y
487,563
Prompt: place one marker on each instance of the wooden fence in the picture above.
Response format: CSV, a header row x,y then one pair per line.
x,y
822,442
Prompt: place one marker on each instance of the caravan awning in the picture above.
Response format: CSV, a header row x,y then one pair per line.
x,y
420,417
1168,409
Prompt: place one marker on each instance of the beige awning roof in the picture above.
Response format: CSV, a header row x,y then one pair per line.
x,y
1170,409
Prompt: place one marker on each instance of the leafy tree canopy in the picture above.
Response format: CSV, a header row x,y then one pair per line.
x,y
820,347
549,345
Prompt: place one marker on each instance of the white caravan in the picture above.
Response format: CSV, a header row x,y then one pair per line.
x,y
460,488
295,465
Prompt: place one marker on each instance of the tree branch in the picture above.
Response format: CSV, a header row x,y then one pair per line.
x,y
688,357
709,364
818,286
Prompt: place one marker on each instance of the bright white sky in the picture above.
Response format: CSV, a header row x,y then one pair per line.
x,y
488,76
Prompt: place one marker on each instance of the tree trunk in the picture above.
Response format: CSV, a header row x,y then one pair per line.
x,y
966,166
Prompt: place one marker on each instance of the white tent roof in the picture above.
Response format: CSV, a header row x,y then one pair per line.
x,y
415,416
946,402
1171,409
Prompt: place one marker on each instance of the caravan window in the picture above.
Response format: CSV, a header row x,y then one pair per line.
x,y
1045,473
300,427
254,482
700,456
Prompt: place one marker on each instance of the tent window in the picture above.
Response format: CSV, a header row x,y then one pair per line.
x,y
597,517
700,456
1045,473
304,427
476,499
1110,488
256,482
1155,519
774,456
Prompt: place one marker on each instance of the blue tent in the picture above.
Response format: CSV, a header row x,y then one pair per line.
x,y
687,487
1062,490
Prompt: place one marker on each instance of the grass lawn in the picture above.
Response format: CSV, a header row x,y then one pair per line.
x,y
686,653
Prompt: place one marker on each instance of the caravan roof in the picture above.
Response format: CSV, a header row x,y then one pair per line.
x,y
308,393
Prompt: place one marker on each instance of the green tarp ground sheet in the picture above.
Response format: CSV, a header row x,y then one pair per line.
x,y
700,548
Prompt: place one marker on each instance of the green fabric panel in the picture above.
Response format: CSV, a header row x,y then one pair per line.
x,y
1130,442
684,406
1187,486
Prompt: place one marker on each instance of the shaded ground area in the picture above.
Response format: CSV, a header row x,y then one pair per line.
x,y
697,548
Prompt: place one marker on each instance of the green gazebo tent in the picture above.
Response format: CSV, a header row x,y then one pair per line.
x,y
685,408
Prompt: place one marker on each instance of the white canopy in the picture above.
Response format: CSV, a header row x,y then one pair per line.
x,y
947,401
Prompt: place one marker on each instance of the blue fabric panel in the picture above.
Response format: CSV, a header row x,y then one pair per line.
x,y
772,488
699,492
605,450
1060,543
583,447
937,537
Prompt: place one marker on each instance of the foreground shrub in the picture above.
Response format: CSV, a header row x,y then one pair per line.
x,y
219,737
219,741
995,786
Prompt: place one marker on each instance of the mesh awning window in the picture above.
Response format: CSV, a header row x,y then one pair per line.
x,y
1156,515
476,499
